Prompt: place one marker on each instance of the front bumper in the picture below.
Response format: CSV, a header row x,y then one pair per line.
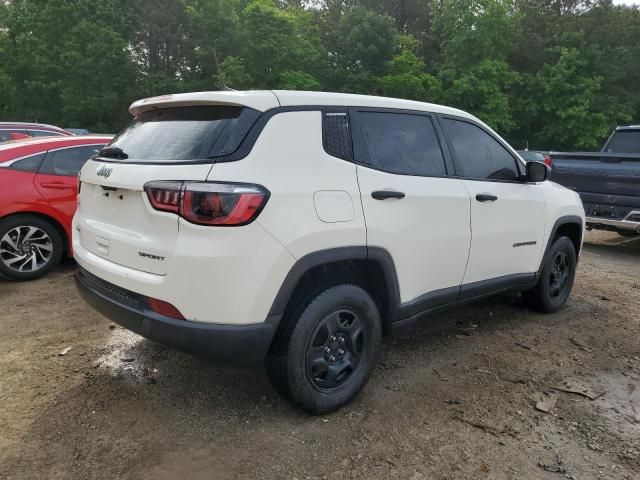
x,y
232,344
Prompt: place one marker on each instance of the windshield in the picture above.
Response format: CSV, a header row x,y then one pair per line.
x,y
625,141
183,134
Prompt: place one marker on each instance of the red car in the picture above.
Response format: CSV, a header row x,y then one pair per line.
x,y
38,189
17,130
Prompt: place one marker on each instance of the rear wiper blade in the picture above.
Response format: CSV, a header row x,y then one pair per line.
x,y
113,152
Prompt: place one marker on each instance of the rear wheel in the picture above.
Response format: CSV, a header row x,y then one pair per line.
x,y
29,247
328,352
556,280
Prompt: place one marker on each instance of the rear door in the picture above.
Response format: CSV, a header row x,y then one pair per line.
x,y
412,208
57,178
507,215
115,218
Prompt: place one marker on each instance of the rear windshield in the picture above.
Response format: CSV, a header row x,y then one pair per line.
x,y
184,134
625,141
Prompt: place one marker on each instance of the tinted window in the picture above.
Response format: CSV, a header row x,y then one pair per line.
x,y
5,135
28,164
625,141
400,143
43,133
187,133
477,154
336,135
68,161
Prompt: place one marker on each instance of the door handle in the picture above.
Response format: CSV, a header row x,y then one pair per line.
x,y
485,197
384,194
56,186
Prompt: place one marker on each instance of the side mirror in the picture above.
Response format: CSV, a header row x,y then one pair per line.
x,y
537,172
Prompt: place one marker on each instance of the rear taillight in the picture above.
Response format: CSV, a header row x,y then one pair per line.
x,y
204,203
548,161
165,196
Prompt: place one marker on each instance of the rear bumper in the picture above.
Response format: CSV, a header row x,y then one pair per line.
x,y
232,344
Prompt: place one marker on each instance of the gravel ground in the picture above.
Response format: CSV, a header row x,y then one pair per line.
x,y
455,399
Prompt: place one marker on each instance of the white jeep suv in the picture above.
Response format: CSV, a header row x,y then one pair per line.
x,y
300,227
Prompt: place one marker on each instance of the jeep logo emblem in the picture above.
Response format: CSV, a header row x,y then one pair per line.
x,y
104,171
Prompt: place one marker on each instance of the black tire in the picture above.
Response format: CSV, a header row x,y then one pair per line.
x,y
319,376
556,281
627,233
18,248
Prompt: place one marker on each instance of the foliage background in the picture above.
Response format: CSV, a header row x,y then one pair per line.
x,y
548,73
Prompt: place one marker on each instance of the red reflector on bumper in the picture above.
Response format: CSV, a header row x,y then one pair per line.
x,y
164,308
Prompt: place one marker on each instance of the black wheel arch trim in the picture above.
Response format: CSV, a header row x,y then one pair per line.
x,y
339,254
560,222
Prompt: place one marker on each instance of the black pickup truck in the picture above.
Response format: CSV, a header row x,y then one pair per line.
x,y
608,181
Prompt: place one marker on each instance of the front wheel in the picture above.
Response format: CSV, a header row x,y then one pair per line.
x,y
556,280
327,354
29,247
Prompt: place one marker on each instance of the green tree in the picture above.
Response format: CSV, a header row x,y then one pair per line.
x,y
407,78
567,96
214,29
99,76
275,41
484,90
555,74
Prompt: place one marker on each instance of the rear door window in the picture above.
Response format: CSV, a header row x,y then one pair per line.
x,y
44,133
400,143
5,135
28,164
476,154
184,134
68,161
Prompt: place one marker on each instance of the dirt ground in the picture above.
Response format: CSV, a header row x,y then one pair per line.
x,y
456,399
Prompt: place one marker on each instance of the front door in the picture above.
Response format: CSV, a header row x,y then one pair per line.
x,y
507,214
412,209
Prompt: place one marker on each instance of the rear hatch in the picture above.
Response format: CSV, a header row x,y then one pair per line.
x,y
115,217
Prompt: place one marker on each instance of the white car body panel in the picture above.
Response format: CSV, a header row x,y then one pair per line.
x,y
507,234
417,230
293,175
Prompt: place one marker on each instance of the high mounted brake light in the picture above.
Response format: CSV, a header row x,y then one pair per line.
x,y
207,203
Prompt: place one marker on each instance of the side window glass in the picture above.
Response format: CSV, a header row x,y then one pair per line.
x,y
67,161
43,133
28,164
476,154
7,135
400,143
336,135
